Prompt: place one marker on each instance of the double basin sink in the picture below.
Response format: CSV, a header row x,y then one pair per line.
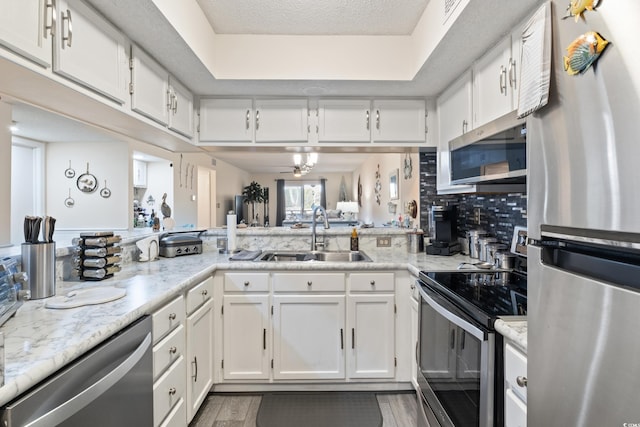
x,y
326,256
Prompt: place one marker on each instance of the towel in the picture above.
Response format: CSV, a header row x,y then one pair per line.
x,y
245,255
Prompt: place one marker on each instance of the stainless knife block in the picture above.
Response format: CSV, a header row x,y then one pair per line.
x,y
39,262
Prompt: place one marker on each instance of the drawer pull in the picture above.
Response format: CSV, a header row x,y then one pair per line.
x,y
521,381
372,283
173,350
309,283
204,293
172,316
246,283
195,375
172,391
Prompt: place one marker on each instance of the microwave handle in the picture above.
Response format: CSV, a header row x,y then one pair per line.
x,y
449,312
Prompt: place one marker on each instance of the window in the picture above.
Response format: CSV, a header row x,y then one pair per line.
x,y
301,198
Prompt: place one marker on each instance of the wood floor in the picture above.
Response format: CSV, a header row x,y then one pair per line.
x,y
240,410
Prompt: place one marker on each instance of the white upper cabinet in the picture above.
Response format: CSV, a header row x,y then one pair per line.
x,y
281,120
398,121
226,120
454,119
149,87
180,108
493,76
344,120
26,28
90,51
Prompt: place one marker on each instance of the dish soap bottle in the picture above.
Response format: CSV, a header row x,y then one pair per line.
x,y
354,240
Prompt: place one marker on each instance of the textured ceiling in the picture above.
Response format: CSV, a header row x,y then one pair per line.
x,y
313,17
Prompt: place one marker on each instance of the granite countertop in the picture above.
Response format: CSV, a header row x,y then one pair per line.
x,y
514,330
39,341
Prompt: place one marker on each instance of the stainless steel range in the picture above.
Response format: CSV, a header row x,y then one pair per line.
x,y
460,368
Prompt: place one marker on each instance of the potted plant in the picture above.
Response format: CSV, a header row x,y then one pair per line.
x,y
253,194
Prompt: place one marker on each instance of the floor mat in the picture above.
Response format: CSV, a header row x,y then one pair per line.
x,y
319,409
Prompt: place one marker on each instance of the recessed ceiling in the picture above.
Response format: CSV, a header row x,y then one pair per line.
x,y
313,17
279,162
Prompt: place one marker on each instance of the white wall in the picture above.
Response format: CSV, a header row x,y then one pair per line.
x,y
408,189
230,181
108,162
5,174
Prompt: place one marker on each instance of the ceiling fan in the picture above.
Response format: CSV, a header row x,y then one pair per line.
x,y
301,168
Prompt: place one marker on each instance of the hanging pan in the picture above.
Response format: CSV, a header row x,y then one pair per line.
x,y
69,172
105,192
69,202
87,183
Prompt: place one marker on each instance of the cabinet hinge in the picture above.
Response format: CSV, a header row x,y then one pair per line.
x,y
131,63
130,88
198,123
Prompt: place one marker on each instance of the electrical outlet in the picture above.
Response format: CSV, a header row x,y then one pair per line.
x,y
221,243
383,242
476,215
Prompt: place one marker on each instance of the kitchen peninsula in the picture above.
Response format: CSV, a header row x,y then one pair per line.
x,y
40,341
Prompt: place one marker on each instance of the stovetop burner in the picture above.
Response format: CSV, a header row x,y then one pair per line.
x,y
483,295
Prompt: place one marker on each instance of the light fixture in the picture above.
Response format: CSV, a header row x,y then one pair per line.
x,y
300,168
14,127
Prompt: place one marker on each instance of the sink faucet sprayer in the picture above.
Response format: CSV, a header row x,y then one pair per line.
x,y
314,244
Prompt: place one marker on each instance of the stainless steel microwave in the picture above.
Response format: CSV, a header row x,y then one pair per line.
x,y
493,153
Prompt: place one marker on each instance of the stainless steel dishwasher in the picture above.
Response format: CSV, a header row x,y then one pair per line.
x,y
112,385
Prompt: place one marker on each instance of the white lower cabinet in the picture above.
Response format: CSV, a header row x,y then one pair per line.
x,y
182,355
199,356
169,373
415,319
371,335
515,382
309,337
246,338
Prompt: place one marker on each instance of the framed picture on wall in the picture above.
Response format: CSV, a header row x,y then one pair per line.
x,y
394,191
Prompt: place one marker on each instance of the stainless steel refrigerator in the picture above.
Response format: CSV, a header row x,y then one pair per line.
x,y
584,216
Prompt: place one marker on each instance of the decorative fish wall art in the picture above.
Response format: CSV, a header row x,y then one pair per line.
x,y
577,8
584,52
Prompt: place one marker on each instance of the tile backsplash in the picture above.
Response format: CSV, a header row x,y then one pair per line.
x,y
499,213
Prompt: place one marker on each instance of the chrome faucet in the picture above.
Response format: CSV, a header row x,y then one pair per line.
x,y
314,244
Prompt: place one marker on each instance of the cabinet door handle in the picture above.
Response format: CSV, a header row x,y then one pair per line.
x,y
264,339
353,338
257,120
172,391
372,283
521,381
195,375
452,343
341,339
204,293
172,316
417,353
247,283
246,123
50,28
503,80
69,37
173,350
368,121
512,73
378,119
463,339
309,283
464,126
175,104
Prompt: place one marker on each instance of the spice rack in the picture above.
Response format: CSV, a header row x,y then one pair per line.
x,y
97,255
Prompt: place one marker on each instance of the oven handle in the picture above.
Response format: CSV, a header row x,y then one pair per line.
x,y
448,310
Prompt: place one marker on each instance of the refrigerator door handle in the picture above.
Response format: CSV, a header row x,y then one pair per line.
x,y
91,393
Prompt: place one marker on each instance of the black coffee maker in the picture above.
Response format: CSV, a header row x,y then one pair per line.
x,y
443,225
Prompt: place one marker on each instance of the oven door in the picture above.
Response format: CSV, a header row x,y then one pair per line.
x,y
455,364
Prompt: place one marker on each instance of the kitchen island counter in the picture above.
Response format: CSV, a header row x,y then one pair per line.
x,y
39,341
